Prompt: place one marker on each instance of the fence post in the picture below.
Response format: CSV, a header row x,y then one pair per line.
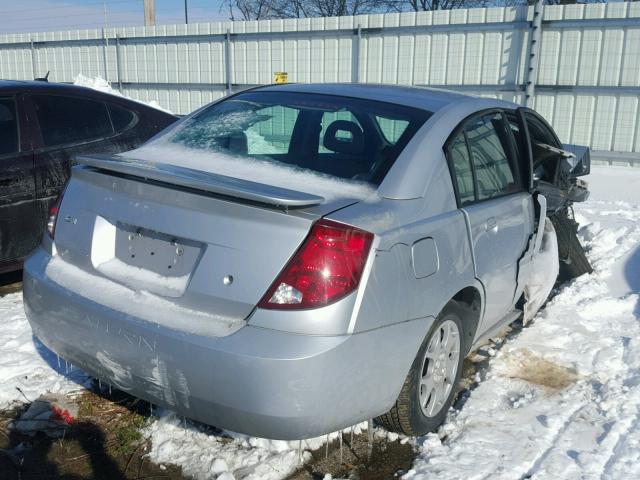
x,y
227,60
105,44
118,62
34,65
535,36
355,55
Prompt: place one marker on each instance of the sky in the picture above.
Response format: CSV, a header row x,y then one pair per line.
x,y
49,15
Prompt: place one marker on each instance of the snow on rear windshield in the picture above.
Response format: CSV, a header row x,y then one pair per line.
x,y
352,140
255,170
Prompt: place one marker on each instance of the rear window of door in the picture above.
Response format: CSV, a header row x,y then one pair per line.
x,y
482,159
67,120
9,142
463,172
494,170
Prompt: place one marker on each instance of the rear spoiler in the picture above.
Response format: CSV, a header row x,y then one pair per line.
x,y
203,181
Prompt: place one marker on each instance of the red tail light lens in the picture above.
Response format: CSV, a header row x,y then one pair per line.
x,y
53,216
327,267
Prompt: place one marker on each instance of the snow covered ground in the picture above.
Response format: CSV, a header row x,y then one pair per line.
x,y
560,399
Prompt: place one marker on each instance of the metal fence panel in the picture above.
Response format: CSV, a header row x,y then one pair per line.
x,y
584,72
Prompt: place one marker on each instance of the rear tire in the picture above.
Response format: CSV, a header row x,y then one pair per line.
x,y
416,411
573,261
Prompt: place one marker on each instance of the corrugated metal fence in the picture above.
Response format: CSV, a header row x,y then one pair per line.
x,y
579,66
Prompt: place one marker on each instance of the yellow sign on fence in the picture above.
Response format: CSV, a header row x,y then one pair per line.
x,y
280,77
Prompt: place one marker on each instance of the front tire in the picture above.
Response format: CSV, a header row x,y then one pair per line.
x,y
573,261
431,385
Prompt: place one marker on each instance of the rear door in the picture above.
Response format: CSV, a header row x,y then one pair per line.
x,y
20,226
497,208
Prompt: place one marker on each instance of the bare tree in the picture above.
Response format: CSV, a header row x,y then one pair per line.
x,y
427,5
249,9
264,9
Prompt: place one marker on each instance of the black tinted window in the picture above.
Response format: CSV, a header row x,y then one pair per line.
x,y
337,136
65,120
121,117
8,126
494,172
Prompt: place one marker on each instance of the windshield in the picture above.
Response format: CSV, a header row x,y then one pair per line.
x,y
347,138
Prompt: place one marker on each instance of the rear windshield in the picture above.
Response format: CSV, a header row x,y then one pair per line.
x,y
343,137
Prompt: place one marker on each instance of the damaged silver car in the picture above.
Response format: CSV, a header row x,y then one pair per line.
x,y
293,259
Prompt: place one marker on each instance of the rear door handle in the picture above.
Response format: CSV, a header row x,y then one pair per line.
x,y
491,225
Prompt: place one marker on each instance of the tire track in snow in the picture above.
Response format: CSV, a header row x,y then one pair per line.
x,y
537,462
616,451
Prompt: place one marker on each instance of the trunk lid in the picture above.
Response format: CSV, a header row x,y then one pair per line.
x,y
205,242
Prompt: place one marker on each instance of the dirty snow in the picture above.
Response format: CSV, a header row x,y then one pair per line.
x,y
560,399
261,171
100,84
204,454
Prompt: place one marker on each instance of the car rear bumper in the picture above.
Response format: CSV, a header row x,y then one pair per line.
x,y
257,381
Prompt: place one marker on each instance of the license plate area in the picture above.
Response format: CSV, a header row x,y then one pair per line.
x,y
156,252
143,259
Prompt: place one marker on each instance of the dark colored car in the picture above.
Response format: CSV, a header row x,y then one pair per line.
x,y
43,126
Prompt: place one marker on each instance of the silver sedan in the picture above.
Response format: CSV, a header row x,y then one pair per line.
x,y
291,260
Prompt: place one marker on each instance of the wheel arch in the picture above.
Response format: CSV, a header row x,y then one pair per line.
x,y
471,303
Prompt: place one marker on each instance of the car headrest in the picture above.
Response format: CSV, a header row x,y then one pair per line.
x,y
336,141
6,115
238,143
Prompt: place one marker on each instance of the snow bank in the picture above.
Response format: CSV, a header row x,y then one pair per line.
x,y
261,171
25,363
100,84
205,454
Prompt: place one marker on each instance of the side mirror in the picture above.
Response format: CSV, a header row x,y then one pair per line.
x,y
581,161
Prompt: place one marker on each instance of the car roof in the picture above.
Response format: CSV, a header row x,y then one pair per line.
x,y
38,86
430,99
45,87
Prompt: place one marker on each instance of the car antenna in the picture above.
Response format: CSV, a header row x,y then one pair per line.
x,y
45,78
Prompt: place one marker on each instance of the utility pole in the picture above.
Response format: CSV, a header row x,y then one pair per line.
x,y
186,16
149,12
104,8
531,72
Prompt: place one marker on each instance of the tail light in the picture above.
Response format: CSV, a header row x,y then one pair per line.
x,y
53,215
327,267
